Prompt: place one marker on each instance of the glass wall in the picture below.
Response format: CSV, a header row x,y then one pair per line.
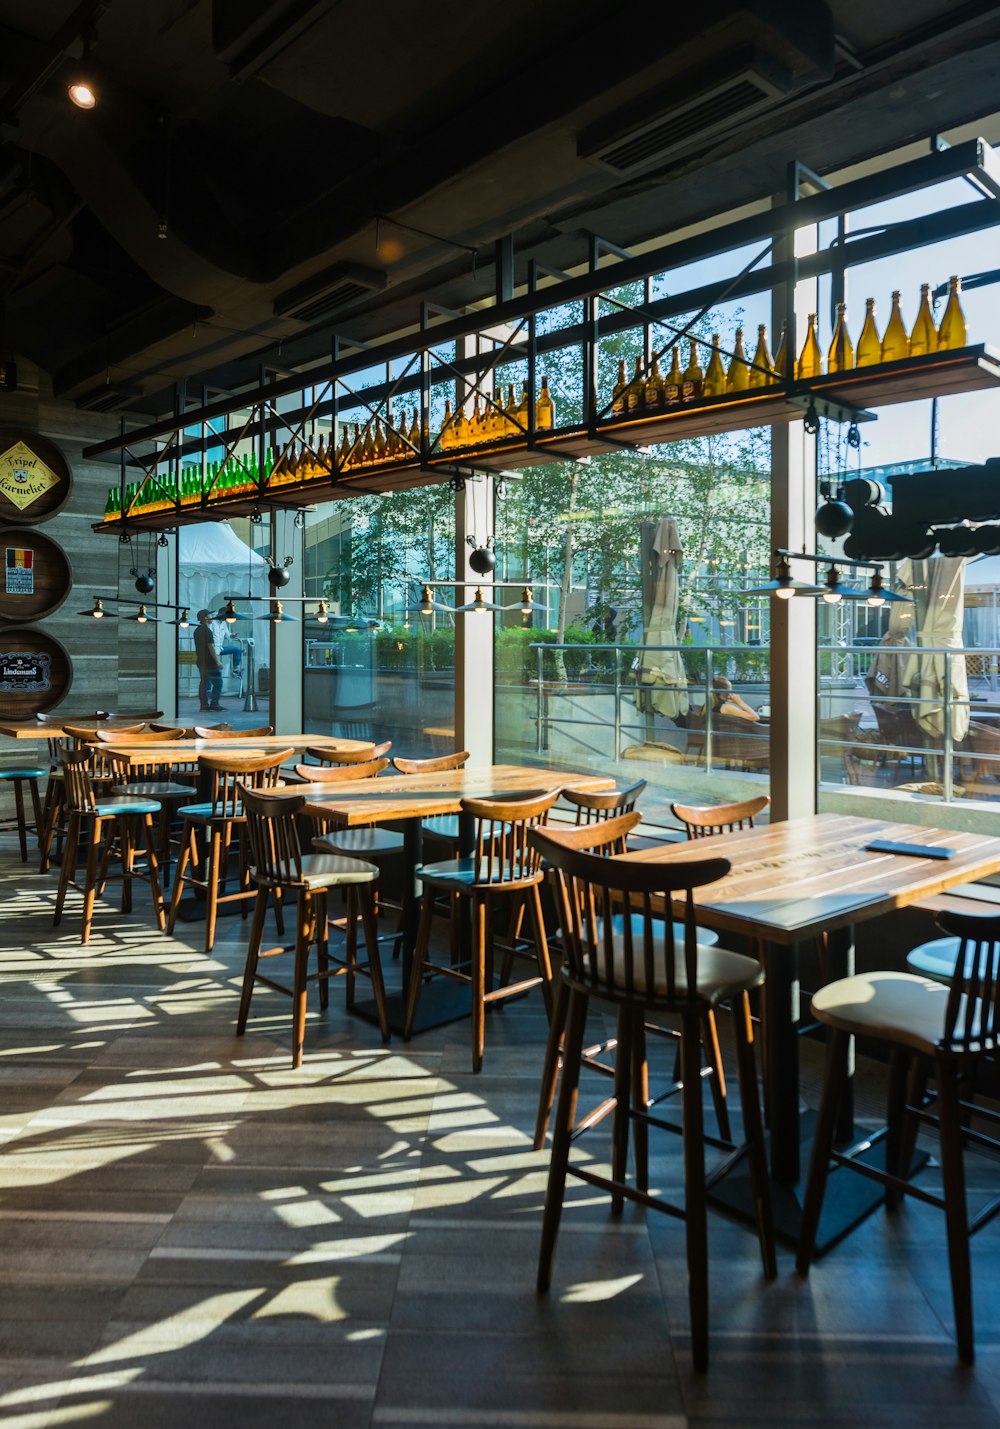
x,y
376,668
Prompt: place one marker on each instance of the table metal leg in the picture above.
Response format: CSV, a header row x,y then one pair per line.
x,y
781,1016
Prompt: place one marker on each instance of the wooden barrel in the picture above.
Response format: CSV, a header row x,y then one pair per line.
x,y
35,671
36,480
35,574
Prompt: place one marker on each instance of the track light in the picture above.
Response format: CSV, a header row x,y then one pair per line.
x,y
141,617
322,615
833,591
98,611
783,586
527,604
876,594
229,614
426,601
81,88
183,623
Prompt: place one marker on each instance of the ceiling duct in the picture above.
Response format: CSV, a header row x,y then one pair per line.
x,y
338,287
706,104
107,397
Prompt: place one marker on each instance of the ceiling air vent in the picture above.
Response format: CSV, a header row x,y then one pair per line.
x,y
705,109
338,287
107,397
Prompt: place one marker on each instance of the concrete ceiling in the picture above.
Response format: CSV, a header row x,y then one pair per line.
x,y
261,173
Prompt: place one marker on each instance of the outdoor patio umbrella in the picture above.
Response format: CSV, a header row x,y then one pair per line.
x,y
939,586
662,671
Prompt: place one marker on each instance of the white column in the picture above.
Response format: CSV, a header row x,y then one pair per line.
x,y
166,631
474,629
286,646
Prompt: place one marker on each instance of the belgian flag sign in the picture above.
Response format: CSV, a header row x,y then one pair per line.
x,y
20,571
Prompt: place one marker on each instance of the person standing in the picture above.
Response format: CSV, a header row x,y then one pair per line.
x,y
209,663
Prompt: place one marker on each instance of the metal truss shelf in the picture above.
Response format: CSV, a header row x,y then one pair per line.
x,y
842,396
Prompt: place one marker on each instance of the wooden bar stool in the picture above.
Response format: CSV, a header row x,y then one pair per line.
x,y
279,866
30,775
503,865
635,965
440,826
113,822
928,1026
217,821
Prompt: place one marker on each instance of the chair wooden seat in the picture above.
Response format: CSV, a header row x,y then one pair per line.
x,y
937,958
219,820
111,827
503,865
928,1026
30,775
360,843
640,971
279,866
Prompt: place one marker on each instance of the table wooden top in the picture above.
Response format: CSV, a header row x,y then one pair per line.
x,y
791,880
186,751
419,796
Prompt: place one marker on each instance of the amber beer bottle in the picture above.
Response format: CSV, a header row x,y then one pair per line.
x,y
869,352
840,358
953,333
781,356
810,362
655,391
762,371
895,343
738,377
923,334
714,384
618,398
545,411
693,376
674,383
511,427
636,394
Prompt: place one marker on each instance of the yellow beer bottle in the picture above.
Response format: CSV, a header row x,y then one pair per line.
x,y
810,362
447,437
923,334
762,371
674,384
953,333
869,352
510,426
368,446
618,397
781,356
460,427
738,377
895,343
693,376
635,399
840,358
714,384
654,387
545,411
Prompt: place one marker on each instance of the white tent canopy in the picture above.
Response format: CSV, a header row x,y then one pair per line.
x,y
212,563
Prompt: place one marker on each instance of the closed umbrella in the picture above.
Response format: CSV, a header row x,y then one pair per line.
x,y
662,671
939,585
887,671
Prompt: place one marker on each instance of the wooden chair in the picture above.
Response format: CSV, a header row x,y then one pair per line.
x,y
279,866
926,1026
701,822
112,823
340,773
152,735
326,756
503,864
54,813
216,820
634,964
148,779
24,774
613,809
226,731
441,826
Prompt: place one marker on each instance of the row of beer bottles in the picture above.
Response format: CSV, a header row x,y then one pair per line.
x,y
685,384
894,344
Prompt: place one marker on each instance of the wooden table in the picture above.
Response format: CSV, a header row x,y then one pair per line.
x,y
411,798
795,879
186,751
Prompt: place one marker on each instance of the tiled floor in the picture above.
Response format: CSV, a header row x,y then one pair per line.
x,y
194,1234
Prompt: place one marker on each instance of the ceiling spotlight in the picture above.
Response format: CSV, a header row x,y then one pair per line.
x,y
527,603
833,591
81,88
322,615
229,614
875,594
141,618
98,611
426,601
183,623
